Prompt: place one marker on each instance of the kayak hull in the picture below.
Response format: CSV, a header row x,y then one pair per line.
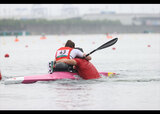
x,y
50,77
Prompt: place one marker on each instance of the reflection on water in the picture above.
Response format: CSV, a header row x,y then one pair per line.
x,y
74,97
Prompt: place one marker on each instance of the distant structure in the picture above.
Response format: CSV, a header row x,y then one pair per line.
x,y
69,10
38,11
126,19
94,10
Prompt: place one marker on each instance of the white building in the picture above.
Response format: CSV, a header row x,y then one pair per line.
x,y
8,11
126,19
35,11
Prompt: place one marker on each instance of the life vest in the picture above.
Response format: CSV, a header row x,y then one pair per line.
x,y
86,69
63,53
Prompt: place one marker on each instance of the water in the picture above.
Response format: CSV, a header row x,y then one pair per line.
x,y
136,87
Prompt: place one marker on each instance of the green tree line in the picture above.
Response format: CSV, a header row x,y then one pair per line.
x,y
72,25
74,21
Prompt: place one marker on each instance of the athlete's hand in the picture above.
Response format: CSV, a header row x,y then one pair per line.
x,y
88,57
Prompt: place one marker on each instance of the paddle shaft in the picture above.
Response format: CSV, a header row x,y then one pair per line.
x,y
107,44
91,52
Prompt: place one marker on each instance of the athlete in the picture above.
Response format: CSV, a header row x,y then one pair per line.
x,y
85,68
68,52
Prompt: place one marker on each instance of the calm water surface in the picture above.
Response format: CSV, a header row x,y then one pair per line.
x,y
136,87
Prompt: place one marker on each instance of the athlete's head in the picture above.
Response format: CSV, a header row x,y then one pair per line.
x,y
70,44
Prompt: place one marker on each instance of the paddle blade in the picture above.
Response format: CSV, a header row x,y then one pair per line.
x,y
107,44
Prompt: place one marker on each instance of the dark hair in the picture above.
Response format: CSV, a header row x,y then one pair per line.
x,y
70,44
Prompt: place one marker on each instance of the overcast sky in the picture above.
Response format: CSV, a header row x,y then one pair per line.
x,y
83,8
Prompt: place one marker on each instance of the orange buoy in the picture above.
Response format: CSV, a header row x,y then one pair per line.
x,y
108,36
113,48
16,40
26,46
148,45
6,55
42,38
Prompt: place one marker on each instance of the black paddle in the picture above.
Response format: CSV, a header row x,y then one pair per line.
x,y
107,44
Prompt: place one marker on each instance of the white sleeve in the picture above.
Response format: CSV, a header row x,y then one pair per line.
x,y
76,52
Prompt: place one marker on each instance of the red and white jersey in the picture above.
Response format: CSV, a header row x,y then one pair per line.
x,y
63,53
67,53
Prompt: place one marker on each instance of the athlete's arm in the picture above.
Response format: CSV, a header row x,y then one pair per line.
x,y
67,61
77,53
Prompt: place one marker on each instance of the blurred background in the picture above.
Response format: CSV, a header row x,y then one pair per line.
x,y
34,19
30,34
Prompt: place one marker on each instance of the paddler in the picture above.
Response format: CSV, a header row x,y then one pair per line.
x,y
85,68
67,52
